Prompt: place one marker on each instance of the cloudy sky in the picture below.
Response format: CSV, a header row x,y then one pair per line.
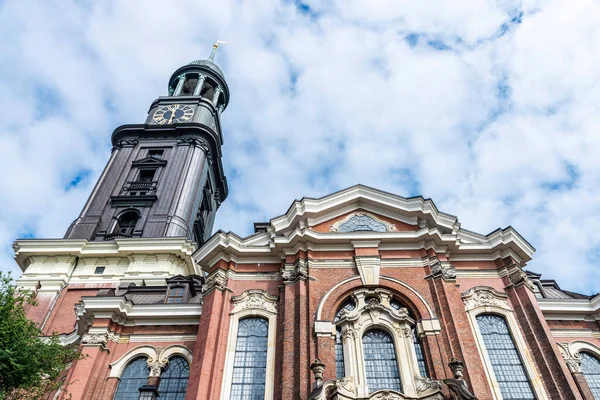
x,y
489,107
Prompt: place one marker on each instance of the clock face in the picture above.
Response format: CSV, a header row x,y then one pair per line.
x,y
175,113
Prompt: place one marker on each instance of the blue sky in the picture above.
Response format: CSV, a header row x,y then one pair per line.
x,y
489,107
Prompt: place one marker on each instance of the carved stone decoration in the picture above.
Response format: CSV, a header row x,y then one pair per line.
x,y
255,299
348,333
424,384
365,222
217,198
295,272
317,368
442,268
94,339
518,277
217,280
156,365
386,395
485,296
125,143
408,333
458,386
200,143
573,360
345,384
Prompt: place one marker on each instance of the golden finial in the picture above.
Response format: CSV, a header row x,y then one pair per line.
x,y
214,50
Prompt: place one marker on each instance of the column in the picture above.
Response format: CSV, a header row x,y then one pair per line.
x,y
198,89
215,98
179,87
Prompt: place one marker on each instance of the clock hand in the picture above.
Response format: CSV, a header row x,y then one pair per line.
x,y
172,114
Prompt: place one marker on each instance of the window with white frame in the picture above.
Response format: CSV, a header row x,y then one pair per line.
x,y
250,359
509,366
590,366
506,362
378,345
250,362
170,364
134,375
174,379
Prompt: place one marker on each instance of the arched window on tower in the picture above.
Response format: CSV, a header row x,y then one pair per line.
x,y
174,379
250,361
134,375
126,224
381,366
504,357
590,366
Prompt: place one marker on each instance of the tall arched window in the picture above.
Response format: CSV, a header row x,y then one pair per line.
x,y
340,372
590,366
419,353
250,361
126,223
134,375
504,357
381,366
174,379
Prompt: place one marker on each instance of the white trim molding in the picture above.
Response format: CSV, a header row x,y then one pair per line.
x,y
486,300
251,303
373,311
158,358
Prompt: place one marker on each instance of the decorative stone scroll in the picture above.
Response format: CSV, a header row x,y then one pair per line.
x,y
216,280
442,268
424,384
125,143
360,221
255,299
518,277
158,363
94,339
573,360
295,272
485,296
194,141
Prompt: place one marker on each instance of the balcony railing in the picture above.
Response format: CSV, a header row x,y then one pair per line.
x,y
118,235
139,188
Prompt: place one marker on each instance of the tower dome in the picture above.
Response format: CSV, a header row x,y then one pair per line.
x,y
201,78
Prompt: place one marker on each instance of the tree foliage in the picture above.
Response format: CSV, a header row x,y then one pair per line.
x,y
30,366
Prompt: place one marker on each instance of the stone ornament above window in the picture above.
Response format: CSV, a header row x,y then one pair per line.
x,y
254,299
361,221
485,296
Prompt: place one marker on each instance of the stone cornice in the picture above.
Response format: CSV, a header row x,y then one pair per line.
x,y
571,309
124,312
25,248
501,242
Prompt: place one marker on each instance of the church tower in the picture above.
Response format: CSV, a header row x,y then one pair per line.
x,y
164,177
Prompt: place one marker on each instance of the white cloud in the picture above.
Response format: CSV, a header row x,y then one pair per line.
x,y
499,127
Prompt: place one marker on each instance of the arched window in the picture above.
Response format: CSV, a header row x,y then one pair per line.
x,y
134,375
340,372
362,223
126,223
340,369
174,379
590,366
381,366
505,360
250,361
416,341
